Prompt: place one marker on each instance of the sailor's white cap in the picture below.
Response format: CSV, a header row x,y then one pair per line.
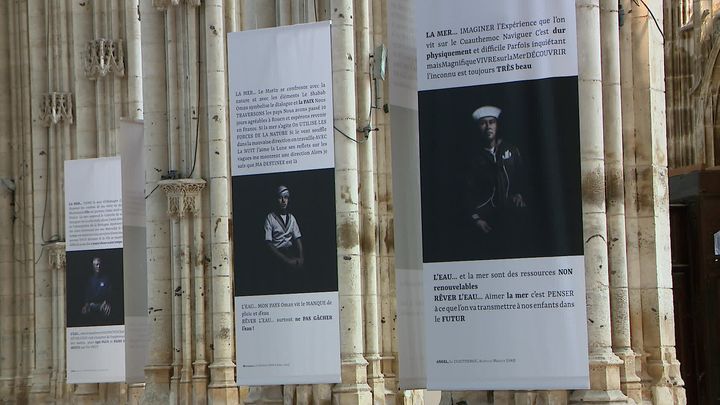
x,y
486,111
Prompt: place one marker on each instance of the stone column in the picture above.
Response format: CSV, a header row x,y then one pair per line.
x,y
386,271
39,275
604,365
653,206
354,388
222,388
7,196
134,60
630,188
367,196
157,370
615,198
56,258
85,128
18,230
702,32
183,197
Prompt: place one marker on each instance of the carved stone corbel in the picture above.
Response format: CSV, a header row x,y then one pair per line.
x,y
103,56
56,255
183,196
56,108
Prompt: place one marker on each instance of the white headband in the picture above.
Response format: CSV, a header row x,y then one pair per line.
x,y
486,111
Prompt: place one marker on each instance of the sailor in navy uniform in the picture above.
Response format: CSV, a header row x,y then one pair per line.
x,y
98,291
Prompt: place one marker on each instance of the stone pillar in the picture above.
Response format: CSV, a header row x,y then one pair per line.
x,y
85,128
134,59
222,388
183,197
19,229
604,365
56,258
200,364
354,388
653,206
703,22
157,371
39,275
615,197
7,196
367,197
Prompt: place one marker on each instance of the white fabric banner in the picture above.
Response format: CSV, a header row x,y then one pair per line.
x,y
282,157
500,207
95,302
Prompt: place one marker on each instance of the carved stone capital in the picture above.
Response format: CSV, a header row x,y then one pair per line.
x,y
56,255
56,108
103,56
164,4
183,196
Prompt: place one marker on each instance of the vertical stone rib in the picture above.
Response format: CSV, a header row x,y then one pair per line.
x,y
39,276
186,309
653,207
157,371
353,388
100,83
222,386
604,370
18,253
231,15
615,197
7,298
133,60
176,306
171,49
367,196
283,10
200,364
85,125
630,188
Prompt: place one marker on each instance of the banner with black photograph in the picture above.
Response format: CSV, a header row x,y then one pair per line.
x,y
499,149
94,284
283,180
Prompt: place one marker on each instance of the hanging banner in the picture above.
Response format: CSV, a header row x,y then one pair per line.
x,y
130,144
499,149
405,177
286,287
94,283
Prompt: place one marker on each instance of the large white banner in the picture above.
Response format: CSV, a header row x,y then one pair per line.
x,y
286,299
95,302
500,206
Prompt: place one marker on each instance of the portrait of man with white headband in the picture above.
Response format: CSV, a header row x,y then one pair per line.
x,y
495,179
282,233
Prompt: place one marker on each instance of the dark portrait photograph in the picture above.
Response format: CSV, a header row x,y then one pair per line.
x,y
284,233
95,288
500,171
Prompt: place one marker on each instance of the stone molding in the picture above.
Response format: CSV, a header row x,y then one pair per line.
x,y
183,196
164,4
103,56
56,108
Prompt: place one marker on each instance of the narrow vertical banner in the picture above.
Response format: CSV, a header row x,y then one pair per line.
x,y
132,156
94,284
406,181
499,160
283,179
